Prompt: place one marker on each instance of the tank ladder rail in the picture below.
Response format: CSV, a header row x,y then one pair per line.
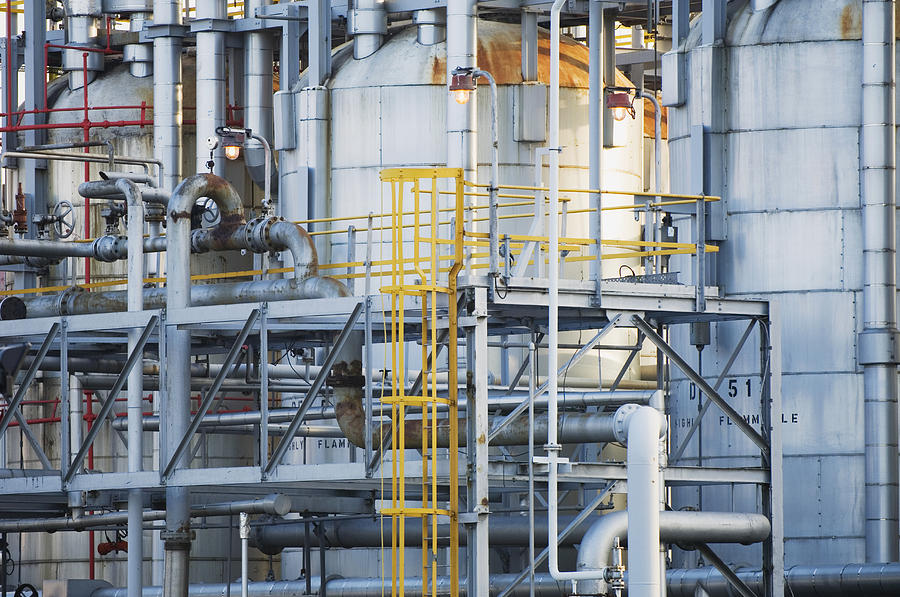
x,y
419,279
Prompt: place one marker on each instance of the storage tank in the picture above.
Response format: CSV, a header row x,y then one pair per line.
x,y
794,237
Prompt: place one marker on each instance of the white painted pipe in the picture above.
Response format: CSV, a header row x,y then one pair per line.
x,y
135,384
643,425
245,554
210,87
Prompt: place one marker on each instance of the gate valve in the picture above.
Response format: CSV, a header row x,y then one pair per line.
x,y
112,213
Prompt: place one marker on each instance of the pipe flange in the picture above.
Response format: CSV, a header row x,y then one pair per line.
x,y
259,234
66,298
177,540
110,248
620,421
154,213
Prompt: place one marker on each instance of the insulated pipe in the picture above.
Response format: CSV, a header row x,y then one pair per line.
x,y
878,343
135,384
77,302
176,405
684,528
258,97
353,533
574,428
275,504
167,91
210,87
285,415
461,122
352,587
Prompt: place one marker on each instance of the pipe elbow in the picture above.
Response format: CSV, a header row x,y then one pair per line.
x,y
296,240
216,188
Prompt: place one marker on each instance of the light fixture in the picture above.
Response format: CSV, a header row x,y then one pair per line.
x,y
462,84
232,140
621,103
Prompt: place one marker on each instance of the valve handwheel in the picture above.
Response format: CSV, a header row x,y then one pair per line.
x,y
26,590
210,211
64,219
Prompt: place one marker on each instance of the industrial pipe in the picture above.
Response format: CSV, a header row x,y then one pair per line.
x,y
244,532
368,26
878,342
258,98
351,587
75,301
275,504
167,91
684,528
81,30
353,533
651,220
210,88
135,395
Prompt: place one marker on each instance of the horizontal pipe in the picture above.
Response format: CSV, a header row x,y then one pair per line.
x,y
79,302
274,504
351,587
504,530
851,580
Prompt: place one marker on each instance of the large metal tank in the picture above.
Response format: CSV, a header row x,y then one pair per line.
x,y
794,237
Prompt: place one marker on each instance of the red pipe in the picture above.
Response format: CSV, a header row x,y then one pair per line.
x,y
89,417
87,170
9,105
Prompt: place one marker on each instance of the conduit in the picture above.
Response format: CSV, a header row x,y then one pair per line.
x,y
685,528
879,353
347,534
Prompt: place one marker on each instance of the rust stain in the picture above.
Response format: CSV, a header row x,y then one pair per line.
x,y
438,70
482,439
851,21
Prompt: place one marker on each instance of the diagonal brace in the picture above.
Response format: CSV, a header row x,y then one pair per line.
x,y
676,455
518,410
135,357
13,406
314,389
624,369
704,387
212,391
733,579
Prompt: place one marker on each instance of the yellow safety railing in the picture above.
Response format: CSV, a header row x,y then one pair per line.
x,y
427,282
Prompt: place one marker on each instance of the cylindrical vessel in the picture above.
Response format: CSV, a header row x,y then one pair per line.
x,y
794,236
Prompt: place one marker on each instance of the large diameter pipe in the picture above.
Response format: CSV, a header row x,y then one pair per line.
x,y
210,88
167,92
461,51
275,504
683,528
354,587
79,303
878,344
347,534
258,98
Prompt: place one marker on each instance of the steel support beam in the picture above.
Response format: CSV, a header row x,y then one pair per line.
x,y
572,361
211,393
282,447
108,404
729,574
701,383
773,494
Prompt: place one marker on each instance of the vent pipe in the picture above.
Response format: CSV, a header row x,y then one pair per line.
x,y
878,348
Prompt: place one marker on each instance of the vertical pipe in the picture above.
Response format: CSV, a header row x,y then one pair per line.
x,y
493,229
644,578
657,161
167,93
245,553
878,341
135,385
461,123
532,377
210,85
529,45
596,95
258,95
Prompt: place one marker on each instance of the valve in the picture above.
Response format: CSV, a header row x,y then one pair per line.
x,y
112,213
615,573
63,219
20,214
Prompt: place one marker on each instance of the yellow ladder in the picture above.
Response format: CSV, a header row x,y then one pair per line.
x,y
416,228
